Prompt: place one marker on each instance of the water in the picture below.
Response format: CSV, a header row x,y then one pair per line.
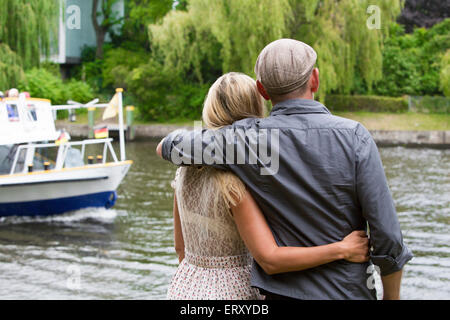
x,y
127,252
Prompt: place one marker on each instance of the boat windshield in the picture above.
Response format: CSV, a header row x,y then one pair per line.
x,y
7,153
73,158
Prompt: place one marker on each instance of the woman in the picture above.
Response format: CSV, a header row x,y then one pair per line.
x,y
217,223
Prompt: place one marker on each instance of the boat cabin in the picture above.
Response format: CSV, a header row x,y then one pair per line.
x,y
24,120
29,140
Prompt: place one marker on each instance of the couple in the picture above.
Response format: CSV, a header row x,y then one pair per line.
x,y
294,232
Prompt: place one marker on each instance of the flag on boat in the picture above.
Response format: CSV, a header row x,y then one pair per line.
x,y
112,109
64,137
101,133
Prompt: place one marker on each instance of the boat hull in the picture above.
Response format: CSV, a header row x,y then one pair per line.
x,y
58,206
56,192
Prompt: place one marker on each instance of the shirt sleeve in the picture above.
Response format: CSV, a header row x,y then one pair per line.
x,y
389,252
195,147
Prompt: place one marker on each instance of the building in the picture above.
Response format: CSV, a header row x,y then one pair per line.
x,y
76,30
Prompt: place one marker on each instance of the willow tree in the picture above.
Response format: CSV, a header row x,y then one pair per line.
x,y
346,35
239,28
27,30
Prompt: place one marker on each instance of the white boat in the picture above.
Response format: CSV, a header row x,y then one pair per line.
x,y
40,175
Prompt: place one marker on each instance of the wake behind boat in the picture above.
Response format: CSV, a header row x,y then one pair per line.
x,y
40,177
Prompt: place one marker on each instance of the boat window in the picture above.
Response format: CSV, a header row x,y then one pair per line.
x,y
43,155
13,112
31,114
7,154
73,158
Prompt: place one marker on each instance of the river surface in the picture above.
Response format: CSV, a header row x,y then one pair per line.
x,y
127,252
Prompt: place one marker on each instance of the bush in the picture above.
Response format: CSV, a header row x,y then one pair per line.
x,y
412,62
445,74
119,63
41,83
162,96
430,104
366,103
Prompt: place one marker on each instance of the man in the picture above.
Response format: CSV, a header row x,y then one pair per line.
x,y
327,182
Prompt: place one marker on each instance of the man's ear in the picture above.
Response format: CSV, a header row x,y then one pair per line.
x,y
261,90
315,82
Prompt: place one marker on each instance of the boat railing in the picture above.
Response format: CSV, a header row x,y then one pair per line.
x,y
63,148
94,104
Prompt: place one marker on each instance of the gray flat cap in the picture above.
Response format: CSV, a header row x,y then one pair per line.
x,y
285,65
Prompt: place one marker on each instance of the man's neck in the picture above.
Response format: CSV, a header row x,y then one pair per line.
x,y
308,95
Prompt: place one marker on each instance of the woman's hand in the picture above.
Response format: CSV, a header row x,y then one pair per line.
x,y
355,247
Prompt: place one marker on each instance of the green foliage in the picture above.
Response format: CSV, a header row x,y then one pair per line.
x,y
183,49
412,63
241,27
52,67
41,83
139,14
110,18
11,72
78,91
168,70
192,48
430,104
117,66
91,72
25,30
226,34
445,74
349,53
163,96
366,103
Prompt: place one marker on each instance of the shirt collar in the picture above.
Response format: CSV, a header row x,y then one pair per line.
x,y
298,106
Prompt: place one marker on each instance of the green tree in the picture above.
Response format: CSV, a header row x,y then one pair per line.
x,y
109,19
141,13
445,74
349,52
240,28
412,63
25,35
349,48
11,72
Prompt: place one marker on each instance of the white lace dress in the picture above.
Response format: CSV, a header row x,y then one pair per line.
x,y
217,263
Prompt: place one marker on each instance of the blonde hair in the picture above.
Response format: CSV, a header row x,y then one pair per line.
x,y
234,96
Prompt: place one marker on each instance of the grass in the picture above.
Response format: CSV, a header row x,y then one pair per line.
x,y
409,121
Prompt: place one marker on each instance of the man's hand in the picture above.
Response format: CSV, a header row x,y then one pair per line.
x,y
355,247
159,148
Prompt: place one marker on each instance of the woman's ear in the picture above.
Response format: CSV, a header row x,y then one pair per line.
x,y
261,90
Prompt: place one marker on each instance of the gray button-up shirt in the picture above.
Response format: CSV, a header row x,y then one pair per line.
x,y
329,182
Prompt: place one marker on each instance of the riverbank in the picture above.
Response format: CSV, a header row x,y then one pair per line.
x,y
411,138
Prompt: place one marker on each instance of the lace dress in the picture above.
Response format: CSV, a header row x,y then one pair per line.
x,y
217,263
